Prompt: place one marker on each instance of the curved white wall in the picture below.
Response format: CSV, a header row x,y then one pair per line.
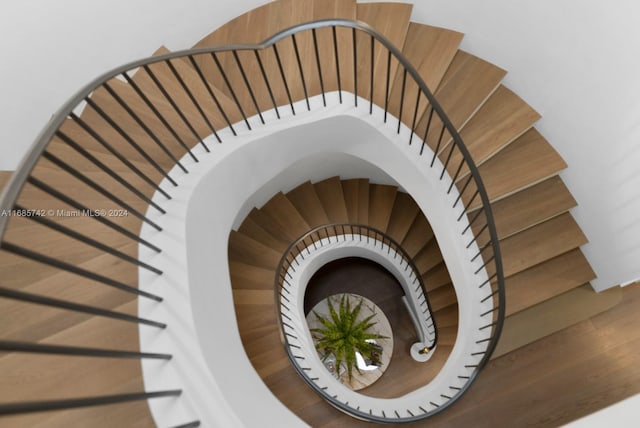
x,y
575,61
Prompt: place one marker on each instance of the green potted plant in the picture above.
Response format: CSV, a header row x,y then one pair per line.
x,y
342,335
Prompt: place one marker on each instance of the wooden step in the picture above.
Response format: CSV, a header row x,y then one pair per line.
x,y
148,142
404,212
381,201
501,119
263,22
356,197
540,243
428,258
285,215
554,315
532,206
430,50
249,277
104,142
58,377
442,297
249,251
467,84
530,159
392,21
188,122
547,280
252,226
419,234
331,9
29,322
437,276
330,193
306,201
447,316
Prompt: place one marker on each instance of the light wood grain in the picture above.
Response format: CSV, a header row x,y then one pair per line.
x,y
305,199
381,199
392,21
500,120
330,193
430,50
402,216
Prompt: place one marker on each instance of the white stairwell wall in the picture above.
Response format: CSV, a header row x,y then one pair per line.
x,y
574,61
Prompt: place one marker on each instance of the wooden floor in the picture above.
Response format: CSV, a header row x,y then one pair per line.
x,y
552,381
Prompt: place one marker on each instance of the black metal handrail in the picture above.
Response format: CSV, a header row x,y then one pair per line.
x,y
315,238
161,121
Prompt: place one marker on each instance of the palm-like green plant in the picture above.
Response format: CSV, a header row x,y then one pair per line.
x,y
342,335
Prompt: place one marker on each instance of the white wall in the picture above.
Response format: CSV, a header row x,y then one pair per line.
x,y
575,61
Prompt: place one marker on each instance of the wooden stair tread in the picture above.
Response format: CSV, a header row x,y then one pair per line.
x,y
246,250
553,315
530,159
419,234
437,276
145,141
430,50
392,21
332,9
306,201
245,276
59,376
467,84
356,198
192,121
403,214
254,27
428,258
547,280
447,316
442,297
501,119
286,216
539,243
381,200
531,206
252,228
330,193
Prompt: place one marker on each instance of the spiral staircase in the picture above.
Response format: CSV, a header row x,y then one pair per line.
x,y
116,152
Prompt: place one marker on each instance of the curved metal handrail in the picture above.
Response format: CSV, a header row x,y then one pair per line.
x,y
13,189
314,235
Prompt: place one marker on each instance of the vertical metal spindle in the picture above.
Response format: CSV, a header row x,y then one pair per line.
x,y
231,91
435,152
355,66
194,101
160,117
212,94
284,78
266,81
91,158
304,84
141,123
386,96
117,154
404,84
173,103
335,53
371,76
128,139
248,85
415,116
315,47
426,131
